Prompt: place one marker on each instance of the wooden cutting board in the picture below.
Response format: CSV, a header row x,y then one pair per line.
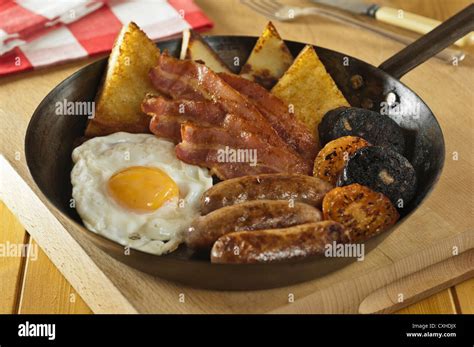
x,y
441,227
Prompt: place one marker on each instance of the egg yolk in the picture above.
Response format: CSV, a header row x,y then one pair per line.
x,y
142,189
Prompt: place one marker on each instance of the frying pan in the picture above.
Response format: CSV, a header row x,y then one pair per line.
x,y
50,139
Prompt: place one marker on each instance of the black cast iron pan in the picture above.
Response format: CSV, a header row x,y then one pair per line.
x,y
50,137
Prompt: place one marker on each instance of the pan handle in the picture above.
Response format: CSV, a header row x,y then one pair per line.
x,y
430,44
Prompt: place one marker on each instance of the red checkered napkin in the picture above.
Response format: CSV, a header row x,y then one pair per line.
x,y
22,21
36,33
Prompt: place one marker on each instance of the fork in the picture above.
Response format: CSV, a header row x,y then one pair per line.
x,y
285,13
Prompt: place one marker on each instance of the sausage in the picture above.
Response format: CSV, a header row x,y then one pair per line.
x,y
300,188
272,245
248,216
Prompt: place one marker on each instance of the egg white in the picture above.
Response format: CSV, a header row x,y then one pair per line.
x,y
157,232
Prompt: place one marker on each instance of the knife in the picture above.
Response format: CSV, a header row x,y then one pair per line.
x,y
393,16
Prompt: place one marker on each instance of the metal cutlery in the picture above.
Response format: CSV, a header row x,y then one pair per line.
x,y
280,12
394,16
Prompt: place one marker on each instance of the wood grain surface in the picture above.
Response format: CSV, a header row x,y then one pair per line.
x,y
443,221
11,267
46,290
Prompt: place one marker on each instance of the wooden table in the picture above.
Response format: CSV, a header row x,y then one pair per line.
x,y
34,285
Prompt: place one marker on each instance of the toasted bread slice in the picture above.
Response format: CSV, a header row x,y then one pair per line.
x,y
125,84
269,59
194,47
309,89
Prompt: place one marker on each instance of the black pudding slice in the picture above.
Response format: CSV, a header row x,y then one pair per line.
x,y
377,129
382,170
327,123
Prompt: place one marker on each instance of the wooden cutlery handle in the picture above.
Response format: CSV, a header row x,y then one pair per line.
x,y
414,22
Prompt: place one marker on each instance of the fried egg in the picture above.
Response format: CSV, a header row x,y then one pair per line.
x,y
133,190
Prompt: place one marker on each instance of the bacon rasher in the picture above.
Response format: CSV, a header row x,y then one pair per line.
x,y
185,79
168,115
202,136
292,131
203,146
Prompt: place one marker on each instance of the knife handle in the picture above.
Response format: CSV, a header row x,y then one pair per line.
x,y
414,22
